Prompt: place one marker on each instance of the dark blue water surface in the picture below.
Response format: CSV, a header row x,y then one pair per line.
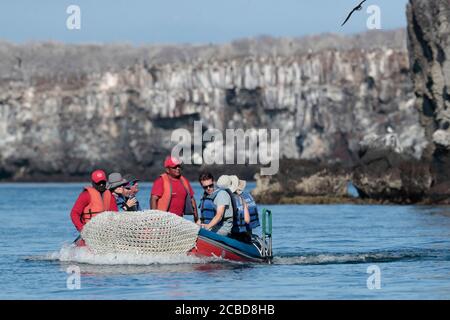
x,y
321,252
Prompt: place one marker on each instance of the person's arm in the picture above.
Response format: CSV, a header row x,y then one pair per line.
x,y
154,201
222,201
217,218
246,213
156,193
194,205
77,210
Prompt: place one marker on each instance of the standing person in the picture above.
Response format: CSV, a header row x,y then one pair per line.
x,y
93,200
172,192
217,205
116,184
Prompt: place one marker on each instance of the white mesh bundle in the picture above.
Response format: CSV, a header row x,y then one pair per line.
x,y
142,232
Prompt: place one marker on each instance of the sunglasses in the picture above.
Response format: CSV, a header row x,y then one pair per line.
x,y
208,186
100,183
176,167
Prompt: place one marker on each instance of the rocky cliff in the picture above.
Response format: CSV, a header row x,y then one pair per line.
x,y
384,172
429,50
67,109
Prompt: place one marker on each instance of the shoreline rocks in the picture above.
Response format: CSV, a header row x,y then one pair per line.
x,y
383,173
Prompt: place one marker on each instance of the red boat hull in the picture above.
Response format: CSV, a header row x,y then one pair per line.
x,y
210,244
206,249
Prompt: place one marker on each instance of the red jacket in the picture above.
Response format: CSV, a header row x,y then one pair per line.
x,y
82,202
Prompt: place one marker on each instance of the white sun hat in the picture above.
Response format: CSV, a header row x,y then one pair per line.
x,y
229,182
241,184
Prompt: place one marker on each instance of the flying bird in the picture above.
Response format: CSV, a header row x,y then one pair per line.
x,y
357,8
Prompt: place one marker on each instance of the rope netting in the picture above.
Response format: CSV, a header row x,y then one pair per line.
x,y
144,232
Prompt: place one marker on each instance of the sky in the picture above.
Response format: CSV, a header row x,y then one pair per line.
x,y
187,21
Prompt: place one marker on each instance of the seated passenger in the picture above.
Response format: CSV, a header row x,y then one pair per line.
x,y
217,205
131,189
92,201
246,218
116,184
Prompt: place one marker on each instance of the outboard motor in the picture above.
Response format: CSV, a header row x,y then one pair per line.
x,y
264,244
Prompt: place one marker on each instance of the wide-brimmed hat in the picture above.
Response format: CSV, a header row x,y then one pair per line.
x,y
229,182
130,178
115,180
241,184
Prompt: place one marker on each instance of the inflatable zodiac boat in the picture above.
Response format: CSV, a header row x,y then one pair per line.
x,y
158,232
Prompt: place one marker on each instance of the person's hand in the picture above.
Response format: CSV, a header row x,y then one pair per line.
x,y
205,226
131,202
199,222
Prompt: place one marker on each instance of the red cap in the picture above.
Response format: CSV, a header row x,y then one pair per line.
x,y
171,162
98,175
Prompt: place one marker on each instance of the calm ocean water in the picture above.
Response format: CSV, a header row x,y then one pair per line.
x,y
321,252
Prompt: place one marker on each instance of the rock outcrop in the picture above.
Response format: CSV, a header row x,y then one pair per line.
x,y
429,51
67,109
385,175
304,181
382,174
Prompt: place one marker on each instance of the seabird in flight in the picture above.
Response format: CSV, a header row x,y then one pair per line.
x,y
357,8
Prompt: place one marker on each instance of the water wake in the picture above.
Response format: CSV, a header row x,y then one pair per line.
x,y
354,258
72,253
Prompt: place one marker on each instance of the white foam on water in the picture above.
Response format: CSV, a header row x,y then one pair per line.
x,y
72,253
345,258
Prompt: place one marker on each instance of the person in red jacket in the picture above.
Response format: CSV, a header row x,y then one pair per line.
x,y
92,201
172,192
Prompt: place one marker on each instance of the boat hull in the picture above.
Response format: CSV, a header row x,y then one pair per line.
x,y
210,244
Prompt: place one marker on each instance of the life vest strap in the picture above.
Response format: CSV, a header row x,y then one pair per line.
x,y
165,200
90,214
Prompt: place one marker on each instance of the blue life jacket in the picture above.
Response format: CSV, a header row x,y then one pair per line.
x,y
208,208
121,203
252,209
239,224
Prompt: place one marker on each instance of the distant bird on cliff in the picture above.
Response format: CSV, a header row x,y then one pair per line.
x,y
357,8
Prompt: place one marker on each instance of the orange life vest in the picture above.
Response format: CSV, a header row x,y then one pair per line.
x,y
164,202
99,203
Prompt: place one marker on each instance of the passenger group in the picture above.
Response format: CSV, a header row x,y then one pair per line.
x,y
225,207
